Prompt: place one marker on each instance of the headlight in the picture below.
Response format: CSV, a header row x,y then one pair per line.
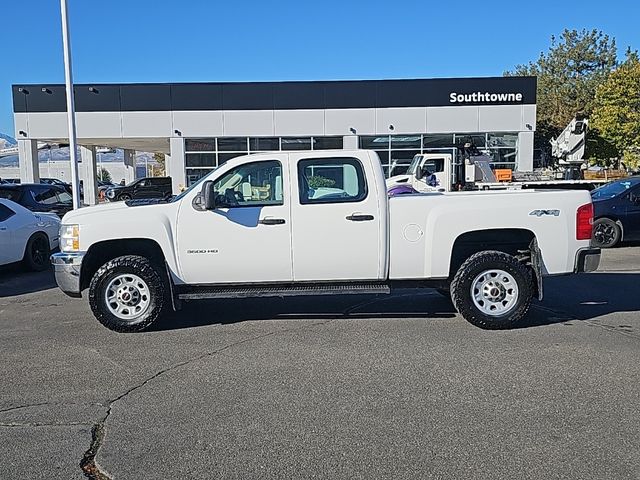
x,y
110,193
69,238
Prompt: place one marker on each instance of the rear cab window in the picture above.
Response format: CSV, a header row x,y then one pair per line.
x,y
331,180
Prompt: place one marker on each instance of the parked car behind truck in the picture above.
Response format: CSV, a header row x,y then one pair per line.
x,y
150,187
617,212
317,223
26,237
39,197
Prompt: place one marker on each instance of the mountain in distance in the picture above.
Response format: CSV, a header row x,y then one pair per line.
x,y
62,154
7,141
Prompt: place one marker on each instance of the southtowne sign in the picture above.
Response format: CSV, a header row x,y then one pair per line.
x,y
484,97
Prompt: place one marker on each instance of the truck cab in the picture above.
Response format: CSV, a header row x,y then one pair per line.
x,y
428,172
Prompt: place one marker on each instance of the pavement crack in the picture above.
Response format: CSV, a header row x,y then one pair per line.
x,y
88,463
30,405
11,409
38,424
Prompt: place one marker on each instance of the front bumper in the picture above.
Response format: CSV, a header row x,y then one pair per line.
x,y
587,260
67,267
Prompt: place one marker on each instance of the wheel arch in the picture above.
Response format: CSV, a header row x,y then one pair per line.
x,y
101,252
506,240
33,234
520,243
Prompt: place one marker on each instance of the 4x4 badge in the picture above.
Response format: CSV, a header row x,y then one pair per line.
x,y
540,213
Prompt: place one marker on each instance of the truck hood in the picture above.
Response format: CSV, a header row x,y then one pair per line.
x,y
76,216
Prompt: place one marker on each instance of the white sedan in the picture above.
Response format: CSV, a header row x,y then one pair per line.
x,y
27,236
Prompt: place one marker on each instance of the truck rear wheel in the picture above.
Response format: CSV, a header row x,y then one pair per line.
x,y
492,290
127,294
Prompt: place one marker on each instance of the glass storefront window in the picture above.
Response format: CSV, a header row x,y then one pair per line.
x,y
233,144
195,174
394,150
200,159
503,155
225,157
296,143
478,140
327,143
375,143
406,141
264,144
384,156
497,140
200,145
438,141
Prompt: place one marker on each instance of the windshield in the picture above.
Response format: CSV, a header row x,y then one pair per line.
x,y
193,186
614,189
414,165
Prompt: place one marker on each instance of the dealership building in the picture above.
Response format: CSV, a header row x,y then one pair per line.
x,y
199,126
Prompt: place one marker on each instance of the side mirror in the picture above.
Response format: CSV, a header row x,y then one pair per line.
x,y
208,195
419,173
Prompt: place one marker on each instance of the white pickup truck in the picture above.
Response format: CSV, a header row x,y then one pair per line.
x,y
318,223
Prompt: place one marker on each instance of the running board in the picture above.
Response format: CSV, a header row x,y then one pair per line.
x,y
198,293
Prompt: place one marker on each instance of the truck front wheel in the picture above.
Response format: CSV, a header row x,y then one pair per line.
x,y
127,294
492,290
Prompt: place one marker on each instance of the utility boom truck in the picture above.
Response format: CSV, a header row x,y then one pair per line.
x,y
318,223
451,169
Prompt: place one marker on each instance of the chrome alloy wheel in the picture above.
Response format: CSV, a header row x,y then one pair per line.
x,y
127,296
494,292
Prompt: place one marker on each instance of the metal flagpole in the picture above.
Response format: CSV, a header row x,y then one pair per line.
x,y
71,113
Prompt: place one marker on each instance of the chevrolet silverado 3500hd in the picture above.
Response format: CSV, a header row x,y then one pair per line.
x,y
317,223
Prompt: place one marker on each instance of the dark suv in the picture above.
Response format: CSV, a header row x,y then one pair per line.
x,y
150,187
38,197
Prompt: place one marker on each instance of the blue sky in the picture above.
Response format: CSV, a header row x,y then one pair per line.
x,y
205,40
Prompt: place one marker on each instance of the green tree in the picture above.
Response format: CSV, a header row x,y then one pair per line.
x,y
160,160
569,74
104,175
617,109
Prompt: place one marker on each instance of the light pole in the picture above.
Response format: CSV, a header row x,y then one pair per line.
x,y
71,113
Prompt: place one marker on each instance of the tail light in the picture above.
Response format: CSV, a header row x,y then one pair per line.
x,y
584,222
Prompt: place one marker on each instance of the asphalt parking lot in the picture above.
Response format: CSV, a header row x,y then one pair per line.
x,y
366,387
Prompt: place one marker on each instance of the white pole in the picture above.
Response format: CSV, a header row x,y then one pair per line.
x,y
71,114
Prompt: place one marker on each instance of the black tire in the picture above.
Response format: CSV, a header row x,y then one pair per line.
x,y
606,233
36,253
118,267
124,197
472,269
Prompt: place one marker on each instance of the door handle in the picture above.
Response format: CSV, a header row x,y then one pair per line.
x,y
272,221
359,217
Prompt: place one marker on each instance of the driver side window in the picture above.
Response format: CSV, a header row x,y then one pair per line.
x,y
251,185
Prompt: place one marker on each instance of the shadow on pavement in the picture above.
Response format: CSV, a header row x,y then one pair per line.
x,y
14,280
420,304
592,295
574,297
